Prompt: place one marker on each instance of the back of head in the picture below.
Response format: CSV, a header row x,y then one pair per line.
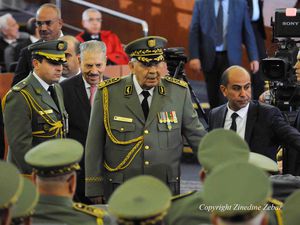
x,y
30,26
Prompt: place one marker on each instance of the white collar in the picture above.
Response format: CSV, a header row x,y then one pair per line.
x,y
42,82
242,112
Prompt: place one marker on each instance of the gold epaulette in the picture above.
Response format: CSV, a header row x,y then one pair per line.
x,y
19,86
91,210
176,81
176,197
275,202
108,82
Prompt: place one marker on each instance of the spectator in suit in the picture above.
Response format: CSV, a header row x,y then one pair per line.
x,y
262,126
92,22
49,24
217,32
79,93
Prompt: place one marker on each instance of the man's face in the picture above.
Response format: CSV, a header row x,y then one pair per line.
x,y
12,29
93,23
147,76
47,71
238,89
71,67
297,67
92,66
48,24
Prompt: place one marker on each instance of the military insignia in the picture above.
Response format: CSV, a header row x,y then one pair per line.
x,y
161,90
176,81
93,211
61,46
123,119
20,86
128,90
108,82
151,43
49,111
38,90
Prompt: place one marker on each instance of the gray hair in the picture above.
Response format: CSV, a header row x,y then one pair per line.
x,y
85,14
59,178
4,19
92,46
52,6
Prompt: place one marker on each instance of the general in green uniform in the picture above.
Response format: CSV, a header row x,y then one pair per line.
x,y
33,109
137,123
54,163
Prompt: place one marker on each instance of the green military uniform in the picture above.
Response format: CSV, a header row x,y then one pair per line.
x,y
141,200
121,144
290,209
31,115
56,158
229,147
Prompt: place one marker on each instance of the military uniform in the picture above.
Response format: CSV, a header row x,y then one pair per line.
x,y
56,158
31,115
121,144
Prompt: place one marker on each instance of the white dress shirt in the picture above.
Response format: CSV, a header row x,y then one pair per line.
x,y
139,91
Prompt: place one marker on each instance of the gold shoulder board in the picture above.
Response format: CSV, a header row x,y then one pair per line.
x,y
176,81
19,86
93,211
275,202
176,197
109,82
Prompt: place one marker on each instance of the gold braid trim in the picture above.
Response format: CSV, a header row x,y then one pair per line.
x,y
93,179
56,126
138,140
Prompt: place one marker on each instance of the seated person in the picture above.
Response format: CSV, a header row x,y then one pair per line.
x,y
91,22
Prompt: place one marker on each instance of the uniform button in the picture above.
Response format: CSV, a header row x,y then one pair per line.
x,y
177,178
110,180
147,147
122,129
147,163
146,132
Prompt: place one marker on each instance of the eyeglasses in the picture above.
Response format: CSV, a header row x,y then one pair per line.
x,y
94,20
46,22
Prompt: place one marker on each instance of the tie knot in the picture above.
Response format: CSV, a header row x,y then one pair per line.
x,y
146,94
93,87
234,115
50,88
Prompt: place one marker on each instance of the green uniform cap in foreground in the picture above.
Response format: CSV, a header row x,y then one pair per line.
x,y
55,157
290,210
51,50
234,185
27,200
140,198
11,184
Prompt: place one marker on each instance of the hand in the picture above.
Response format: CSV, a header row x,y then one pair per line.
x,y
195,65
254,66
264,97
98,200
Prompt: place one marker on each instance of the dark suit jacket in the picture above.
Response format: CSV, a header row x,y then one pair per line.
x,y
266,128
203,33
261,25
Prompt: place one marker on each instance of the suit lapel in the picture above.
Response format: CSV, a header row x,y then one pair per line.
x,y
251,119
81,93
220,120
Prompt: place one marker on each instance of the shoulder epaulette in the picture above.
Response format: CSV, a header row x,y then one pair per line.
x,y
19,86
93,211
275,202
176,81
176,197
108,82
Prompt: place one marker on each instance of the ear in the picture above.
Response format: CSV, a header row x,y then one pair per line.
x,y
35,63
265,220
61,22
34,178
223,90
202,175
131,66
213,219
72,184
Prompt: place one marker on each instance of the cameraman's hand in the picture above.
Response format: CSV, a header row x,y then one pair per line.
x,y
195,65
97,200
254,66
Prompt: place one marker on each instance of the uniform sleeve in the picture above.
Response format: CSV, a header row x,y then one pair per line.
x,y
17,123
193,129
94,149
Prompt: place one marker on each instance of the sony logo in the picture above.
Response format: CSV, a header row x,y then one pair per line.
x,y
290,23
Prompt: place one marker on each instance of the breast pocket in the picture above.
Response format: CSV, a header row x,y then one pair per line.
x,y
169,138
122,131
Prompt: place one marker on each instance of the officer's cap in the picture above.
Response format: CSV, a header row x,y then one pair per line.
x,y
51,50
220,146
263,162
140,198
55,157
236,189
147,50
11,184
27,201
290,210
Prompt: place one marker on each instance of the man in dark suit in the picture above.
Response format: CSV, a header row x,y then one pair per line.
x,y
78,98
262,126
49,23
217,32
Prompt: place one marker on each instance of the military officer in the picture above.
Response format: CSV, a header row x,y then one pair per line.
x,y
141,200
10,190
54,164
34,109
137,124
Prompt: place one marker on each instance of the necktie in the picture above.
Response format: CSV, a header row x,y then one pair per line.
x,y
233,123
53,95
220,19
145,105
92,91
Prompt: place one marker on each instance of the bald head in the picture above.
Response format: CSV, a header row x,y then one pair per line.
x,y
236,87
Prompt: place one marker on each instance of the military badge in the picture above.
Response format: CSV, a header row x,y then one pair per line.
x,y
61,46
151,43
